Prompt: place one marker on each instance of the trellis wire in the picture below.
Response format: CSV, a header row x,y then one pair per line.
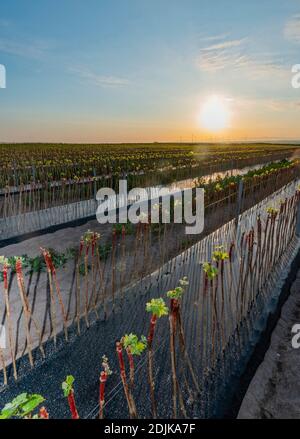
x,y
251,283
23,212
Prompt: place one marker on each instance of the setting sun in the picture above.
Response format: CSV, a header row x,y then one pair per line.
x,y
215,114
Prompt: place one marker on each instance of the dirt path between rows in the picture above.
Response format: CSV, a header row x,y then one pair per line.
x,y
274,392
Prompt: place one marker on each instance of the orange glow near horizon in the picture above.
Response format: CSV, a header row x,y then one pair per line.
x,y
209,118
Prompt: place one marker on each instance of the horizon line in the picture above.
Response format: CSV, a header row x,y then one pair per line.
x,y
183,142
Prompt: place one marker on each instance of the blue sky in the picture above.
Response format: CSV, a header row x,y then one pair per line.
x,y
139,70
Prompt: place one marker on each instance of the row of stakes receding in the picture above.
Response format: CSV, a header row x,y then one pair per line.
x,y
36,206
233,276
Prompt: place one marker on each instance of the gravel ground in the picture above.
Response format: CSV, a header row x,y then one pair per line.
x,y
148,259
82,356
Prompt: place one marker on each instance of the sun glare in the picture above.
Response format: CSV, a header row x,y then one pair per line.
x,y
215,114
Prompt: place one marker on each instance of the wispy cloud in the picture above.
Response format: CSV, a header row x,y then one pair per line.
x,y
292,29
231,54
30,49
276,105
283,105
100,80
224,45
215,37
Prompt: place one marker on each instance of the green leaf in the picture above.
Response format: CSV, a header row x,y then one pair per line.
x,y
136,346
32,403
21,406
176,293
219,254
11,408
157,307
67,385
184,282
210,270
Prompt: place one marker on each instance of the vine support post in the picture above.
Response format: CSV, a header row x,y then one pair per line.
x,y
15,173
95,184
239,202
298,221
33,173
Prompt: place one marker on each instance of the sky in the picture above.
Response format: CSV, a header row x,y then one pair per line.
x,y
143,70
